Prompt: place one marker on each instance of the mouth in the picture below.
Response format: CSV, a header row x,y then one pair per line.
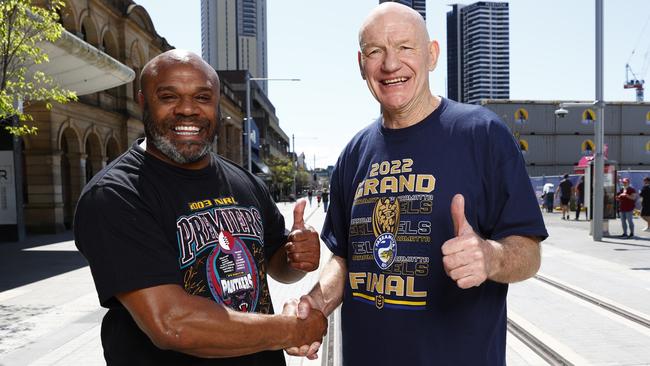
x,y
184,130
394,81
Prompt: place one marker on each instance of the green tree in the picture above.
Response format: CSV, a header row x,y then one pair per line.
x,y
23,26
282,171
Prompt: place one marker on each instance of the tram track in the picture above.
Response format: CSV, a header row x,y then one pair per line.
x,y
554,354
606,304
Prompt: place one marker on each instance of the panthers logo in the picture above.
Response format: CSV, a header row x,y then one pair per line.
x,y
385,216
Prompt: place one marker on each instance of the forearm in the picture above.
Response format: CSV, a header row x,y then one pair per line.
x,y
175,320
514,258
328,291
280,269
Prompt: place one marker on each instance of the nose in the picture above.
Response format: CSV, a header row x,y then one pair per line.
x,y
186,106
392,61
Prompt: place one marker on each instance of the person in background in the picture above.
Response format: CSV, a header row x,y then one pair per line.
x,y
326,199
626,201
548,195
565,195
580,197
645,203
310,195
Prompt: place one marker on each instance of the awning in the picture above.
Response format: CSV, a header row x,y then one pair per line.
x,y
78,66
259,167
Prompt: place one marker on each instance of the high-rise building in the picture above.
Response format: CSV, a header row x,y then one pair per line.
x,y
418,5
233,36
478,52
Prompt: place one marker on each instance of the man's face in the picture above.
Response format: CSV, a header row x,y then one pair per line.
x,y
395,60
180,112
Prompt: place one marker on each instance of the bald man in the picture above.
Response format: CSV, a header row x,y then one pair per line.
x,y
180,241
431,215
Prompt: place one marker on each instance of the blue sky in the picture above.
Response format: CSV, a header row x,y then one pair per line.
x,y
551,58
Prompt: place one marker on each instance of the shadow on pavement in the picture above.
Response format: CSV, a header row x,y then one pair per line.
x,y
21,264
626,243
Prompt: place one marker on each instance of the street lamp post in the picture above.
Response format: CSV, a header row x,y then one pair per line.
x,y
599,130
248,114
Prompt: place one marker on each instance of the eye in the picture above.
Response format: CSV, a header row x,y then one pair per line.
x,y
203,98
167,97
373,52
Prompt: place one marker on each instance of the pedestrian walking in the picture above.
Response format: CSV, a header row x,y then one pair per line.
x,y
565,195
326,199
626,202
580,197
548,196
310,195
645,202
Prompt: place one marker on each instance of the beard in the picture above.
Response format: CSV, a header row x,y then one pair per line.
x,y
181,152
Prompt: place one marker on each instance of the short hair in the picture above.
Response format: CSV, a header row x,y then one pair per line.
x,y
646,179
566,176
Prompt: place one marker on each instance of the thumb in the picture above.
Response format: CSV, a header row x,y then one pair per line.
x,y
461,226
304,308
299,214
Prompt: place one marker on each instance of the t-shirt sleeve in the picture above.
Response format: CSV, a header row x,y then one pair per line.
x,y
123,243
512,206
335,228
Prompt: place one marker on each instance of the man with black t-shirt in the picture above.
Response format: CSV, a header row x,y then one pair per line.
x,y
565,195
180,241
431,215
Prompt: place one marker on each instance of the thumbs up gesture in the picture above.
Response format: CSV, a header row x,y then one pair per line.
x,y
303,247
466,257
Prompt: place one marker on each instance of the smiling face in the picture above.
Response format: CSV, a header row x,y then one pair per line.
x,y
396,57
180,96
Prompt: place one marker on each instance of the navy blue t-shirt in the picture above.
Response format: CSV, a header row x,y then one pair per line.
x,y
389,214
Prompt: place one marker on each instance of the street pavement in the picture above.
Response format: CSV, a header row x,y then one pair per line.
x,y
50,315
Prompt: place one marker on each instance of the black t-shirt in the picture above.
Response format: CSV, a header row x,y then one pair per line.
x,y
645,194
389,215
565,188
141,223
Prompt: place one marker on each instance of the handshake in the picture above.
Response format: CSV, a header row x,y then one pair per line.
x,y
314,323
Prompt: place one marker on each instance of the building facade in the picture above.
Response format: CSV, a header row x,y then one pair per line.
x,y
418,5
233,36
478,52
76,140
554,145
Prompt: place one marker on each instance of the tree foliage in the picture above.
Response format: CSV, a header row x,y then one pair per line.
x,y
282,171
23,26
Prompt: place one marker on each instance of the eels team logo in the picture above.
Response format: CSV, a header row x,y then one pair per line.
x,y
232,274
385,250
385,222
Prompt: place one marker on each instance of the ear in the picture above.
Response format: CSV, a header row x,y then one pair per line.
x,y
434,53
359,59
140,98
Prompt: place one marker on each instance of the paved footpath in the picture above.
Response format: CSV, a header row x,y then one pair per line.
x,y
49,312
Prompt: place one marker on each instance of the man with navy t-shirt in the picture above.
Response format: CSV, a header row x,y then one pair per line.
x,y
431,215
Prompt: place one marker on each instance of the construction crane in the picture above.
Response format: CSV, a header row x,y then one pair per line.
x,y
634,83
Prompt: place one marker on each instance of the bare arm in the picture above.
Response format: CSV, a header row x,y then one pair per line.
x,y
176,320
327,293
514,258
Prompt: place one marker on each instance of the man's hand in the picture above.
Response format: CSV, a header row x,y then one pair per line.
x,y
302,310
303,247
467,258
